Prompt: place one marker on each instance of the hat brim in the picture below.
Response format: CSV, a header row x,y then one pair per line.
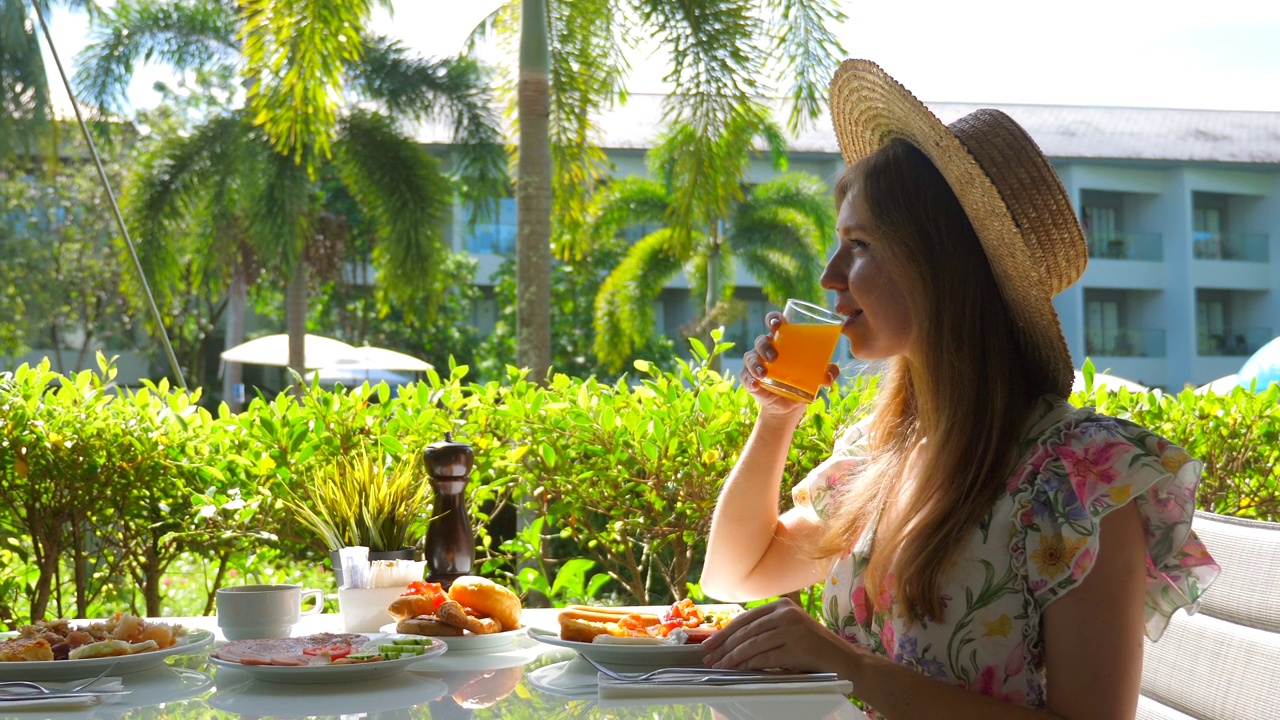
x,y
868,109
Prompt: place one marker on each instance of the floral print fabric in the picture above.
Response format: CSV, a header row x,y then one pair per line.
x,y
1038,542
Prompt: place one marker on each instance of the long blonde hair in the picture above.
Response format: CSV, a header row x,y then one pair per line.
x,y
967,386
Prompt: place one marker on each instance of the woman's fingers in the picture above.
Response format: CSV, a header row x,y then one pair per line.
x,y
833,373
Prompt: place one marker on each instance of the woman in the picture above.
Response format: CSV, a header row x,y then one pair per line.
x,y
988,550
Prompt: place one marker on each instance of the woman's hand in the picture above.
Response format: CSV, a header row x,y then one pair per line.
x,y
755,367
779,634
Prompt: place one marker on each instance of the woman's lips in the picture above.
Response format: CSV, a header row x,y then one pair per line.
x,y
852,317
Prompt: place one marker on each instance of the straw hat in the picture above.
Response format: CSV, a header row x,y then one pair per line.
x,y
1013,197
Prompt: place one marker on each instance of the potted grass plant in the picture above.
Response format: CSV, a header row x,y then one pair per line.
x,y
365,500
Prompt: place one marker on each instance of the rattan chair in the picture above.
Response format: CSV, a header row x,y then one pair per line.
x,y
1223,663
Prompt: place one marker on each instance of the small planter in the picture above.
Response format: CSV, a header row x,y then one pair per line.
x,y
402,554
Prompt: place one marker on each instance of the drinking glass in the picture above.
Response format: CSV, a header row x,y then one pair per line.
x,y
805,343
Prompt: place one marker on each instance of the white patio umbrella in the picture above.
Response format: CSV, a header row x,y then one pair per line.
x,y
274,350
1222,386
350,377
376,358
1110,382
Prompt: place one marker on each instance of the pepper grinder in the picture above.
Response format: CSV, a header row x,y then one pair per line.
x,y
451,546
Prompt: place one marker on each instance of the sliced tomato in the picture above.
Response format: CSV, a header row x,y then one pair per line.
x,y
431,590
333,652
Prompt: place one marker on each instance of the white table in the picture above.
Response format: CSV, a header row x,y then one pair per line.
x,y
450,686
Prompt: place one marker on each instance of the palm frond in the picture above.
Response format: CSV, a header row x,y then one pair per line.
x,y
455,91
184,34
586,75
295,55
623,204
808,52
179,194
282,212
780,234
624,304
26,120
402,188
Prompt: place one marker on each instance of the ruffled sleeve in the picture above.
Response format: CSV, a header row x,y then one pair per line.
x,y
811,493
1077,472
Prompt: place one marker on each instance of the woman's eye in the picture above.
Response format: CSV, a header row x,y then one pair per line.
x,y
858,244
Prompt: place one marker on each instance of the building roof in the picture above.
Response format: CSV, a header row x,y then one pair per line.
x,y
1062,131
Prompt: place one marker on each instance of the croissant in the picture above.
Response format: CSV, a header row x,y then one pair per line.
x,y
407,606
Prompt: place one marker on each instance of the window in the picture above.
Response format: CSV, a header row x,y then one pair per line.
x,y
497,234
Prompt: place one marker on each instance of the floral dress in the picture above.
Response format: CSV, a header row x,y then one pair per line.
x,y
1039,541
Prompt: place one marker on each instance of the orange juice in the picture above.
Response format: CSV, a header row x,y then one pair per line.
x,y
804,352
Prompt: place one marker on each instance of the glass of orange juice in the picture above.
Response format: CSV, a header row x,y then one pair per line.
x,y
805,343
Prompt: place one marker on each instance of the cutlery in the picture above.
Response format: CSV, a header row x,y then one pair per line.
x,y
708,676
38,689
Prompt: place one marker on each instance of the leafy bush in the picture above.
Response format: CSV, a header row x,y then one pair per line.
x,y
102,491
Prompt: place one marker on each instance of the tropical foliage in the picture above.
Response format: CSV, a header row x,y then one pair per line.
x,y
720,54
247,189
778,233
26,111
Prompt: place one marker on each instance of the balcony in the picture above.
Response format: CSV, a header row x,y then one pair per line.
x,y
1126,343
1242,247
1126,246
1232,342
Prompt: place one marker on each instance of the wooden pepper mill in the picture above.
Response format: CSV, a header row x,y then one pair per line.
x,y
451,546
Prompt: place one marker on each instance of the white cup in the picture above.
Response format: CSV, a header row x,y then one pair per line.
x,y
263,611
365,609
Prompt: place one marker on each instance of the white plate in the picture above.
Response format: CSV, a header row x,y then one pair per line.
x,y
242,696
39,670
627,656
469,642
310,674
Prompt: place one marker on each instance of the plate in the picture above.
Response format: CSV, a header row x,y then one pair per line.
x,y
627,656
74,669
470,643
311,674
376,696
242,696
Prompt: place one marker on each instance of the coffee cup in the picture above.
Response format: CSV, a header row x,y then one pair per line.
x,y
263,611
365,609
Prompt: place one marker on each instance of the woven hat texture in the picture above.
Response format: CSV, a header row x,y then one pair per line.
x,y
1013,197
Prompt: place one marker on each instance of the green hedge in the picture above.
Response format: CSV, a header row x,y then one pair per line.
x,y
102,492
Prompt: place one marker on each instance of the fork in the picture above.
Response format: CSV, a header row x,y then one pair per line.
x,y
704,675
42,690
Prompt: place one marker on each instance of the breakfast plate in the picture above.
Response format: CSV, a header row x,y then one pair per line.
x,y
40,670
471,642
627,656
316,674
239,695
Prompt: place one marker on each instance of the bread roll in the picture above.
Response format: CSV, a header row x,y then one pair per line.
x,y
488,599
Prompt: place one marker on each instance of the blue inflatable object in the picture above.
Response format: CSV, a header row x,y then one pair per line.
x,y
1263,366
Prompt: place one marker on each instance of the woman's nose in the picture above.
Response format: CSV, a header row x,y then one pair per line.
x,y
834,276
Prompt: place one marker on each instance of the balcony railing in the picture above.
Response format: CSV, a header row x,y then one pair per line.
x,y
1244,247
1232,342
1126,246
1126,343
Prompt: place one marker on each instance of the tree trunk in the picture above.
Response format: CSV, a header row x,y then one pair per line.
x,y
233,373
533,195
713,287
295,321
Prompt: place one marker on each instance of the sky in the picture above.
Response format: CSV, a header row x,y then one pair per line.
x,y
1222,55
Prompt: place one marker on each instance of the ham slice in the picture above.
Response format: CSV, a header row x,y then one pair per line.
x,y
285,651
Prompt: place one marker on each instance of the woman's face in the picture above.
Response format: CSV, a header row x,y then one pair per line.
x,y
879,323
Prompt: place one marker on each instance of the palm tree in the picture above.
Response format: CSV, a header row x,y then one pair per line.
x,y
26,117
719,51
297,115
777,232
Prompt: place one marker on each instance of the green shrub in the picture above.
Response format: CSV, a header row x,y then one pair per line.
x,y
102,492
